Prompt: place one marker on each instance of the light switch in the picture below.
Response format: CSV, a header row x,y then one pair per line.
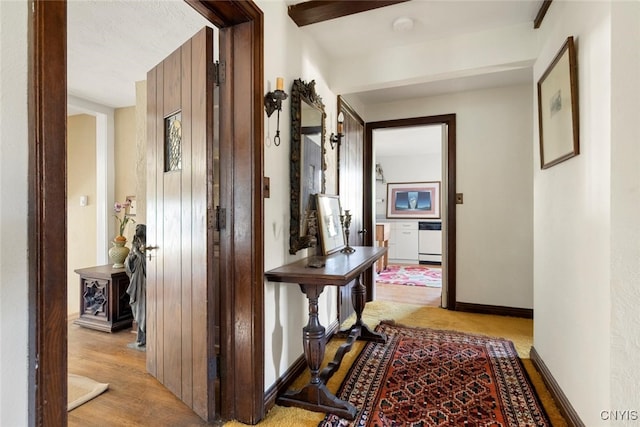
x,y
84,200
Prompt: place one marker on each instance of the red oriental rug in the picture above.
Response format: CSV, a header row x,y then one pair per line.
x,y
411,275
426,377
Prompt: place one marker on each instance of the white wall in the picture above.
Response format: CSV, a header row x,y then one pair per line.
x,y
13,213
625,205
572,220
291,55
415,168
494,161
81,220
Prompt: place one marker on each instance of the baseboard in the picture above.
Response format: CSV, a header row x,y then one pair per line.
x,y
295,370
566,409
527,313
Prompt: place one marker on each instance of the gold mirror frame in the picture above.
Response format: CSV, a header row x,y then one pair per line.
x,y
305,103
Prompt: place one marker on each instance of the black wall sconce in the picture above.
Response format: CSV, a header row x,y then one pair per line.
x,y
335,139
273,102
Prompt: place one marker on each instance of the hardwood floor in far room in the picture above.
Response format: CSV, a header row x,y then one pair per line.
x,y
134,397
420,295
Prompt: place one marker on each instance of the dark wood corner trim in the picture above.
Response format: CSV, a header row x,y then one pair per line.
x,y
47,219
541,13
468,307
566,409
294,371
314,11
343,105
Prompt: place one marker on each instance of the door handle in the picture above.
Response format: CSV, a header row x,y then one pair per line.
x,y
149,248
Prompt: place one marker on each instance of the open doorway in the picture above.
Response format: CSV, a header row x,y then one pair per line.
x,y
375,208
408,212
47,219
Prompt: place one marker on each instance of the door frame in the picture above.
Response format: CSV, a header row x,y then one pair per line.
x,y
450,173
241,30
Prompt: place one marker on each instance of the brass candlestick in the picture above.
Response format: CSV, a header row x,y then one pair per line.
x,y
345,220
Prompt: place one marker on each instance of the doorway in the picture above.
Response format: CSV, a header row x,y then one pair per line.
x,y
243,393
447,189
409,168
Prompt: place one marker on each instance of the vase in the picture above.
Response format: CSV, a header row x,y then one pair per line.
x,y
118,253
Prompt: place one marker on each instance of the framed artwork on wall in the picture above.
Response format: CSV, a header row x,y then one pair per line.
x,y
330,227
558,108
413,200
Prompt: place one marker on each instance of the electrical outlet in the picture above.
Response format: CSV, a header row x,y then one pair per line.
x,y
459,199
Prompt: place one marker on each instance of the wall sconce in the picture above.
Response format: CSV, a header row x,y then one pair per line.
x,y
335,139
273,102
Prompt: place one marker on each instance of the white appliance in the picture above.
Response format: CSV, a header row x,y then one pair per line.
x,y
429,242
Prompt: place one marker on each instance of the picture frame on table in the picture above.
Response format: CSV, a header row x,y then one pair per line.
x,y
413,200
558,118
329,225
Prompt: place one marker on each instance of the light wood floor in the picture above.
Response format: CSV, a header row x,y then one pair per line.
x,y
134,397
421,295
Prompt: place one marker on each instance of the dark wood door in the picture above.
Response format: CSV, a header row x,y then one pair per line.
x,y
350,188
182,291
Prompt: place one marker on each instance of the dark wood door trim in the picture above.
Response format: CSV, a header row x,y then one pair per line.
x,y
47,89
47,398
450,121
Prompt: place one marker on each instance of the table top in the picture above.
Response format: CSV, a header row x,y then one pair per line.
x,y
339,269
100,271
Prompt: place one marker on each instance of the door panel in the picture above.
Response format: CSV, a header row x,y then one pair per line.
x,y
181,287
351,182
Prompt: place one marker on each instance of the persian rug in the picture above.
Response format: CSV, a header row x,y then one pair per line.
x,y
427,377
411,275
81,390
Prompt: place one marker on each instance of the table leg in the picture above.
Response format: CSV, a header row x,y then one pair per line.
x,y
359,299
315,396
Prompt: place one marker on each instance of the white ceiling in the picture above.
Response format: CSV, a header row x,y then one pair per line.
x,y
112,44
407,141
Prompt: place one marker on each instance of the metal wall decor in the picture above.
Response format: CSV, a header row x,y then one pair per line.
x,y
173,142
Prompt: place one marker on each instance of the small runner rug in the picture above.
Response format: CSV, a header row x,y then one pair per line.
x,y
411,275
426,377
82,389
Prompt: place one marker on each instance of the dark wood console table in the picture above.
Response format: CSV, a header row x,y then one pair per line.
x,y
339,269
104,302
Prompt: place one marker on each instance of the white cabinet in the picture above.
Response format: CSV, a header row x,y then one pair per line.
x,y
403,241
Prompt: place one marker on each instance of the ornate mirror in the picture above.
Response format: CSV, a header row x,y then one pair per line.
x,y
307,160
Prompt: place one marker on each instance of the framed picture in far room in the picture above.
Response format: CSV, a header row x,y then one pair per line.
x,y
413,199
330,227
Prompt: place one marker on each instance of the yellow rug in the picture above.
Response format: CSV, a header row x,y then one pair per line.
x,y
517,330
82,389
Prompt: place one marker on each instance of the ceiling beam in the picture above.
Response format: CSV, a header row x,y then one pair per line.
x,y
314,11
541,13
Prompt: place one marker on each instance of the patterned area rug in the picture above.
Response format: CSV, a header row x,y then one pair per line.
x,y
411,275
426,377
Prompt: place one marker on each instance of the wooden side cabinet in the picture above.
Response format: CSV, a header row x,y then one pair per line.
x,y
104,302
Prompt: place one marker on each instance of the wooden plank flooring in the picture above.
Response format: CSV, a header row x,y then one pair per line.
x,y
134,397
